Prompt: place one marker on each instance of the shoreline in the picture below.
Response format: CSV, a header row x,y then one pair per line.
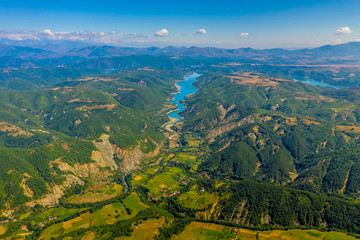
x,y
173,120
169,124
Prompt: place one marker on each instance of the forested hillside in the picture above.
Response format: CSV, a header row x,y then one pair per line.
x,y
87,150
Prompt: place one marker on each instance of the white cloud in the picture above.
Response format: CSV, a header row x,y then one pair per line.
x,y
162,33
83,36
112,32
244,35
343,31
201,31
47,32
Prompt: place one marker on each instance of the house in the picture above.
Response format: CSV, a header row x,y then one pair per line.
x,y
23,227
41,224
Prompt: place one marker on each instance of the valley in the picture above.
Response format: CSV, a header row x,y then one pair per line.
x,y
102,148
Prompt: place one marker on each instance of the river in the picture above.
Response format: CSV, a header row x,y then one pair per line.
x,y
185,88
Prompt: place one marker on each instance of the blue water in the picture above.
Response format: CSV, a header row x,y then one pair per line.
x,y
186,88
316,83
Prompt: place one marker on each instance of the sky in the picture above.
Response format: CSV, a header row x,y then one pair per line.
x,y
223,23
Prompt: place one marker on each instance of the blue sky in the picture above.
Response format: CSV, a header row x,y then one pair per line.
x,y
222,23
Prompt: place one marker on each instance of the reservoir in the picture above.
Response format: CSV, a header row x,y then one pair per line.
x,y
185,88
316,83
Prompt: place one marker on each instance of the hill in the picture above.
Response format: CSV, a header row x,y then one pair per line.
x,y
84,153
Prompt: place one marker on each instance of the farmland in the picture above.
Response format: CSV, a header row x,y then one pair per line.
x,y
208,231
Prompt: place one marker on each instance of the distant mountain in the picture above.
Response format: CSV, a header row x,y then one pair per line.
x,y
23,52
347,49
63,52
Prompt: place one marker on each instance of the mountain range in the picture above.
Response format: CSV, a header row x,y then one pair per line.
x,y
21,56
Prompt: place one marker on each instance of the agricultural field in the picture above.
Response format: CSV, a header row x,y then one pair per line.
x,y
25,215
108,214
168,180
144,175
199,230
133,202
185,157
196,199
54,213
97,193
208,231
139,179
3,229
145,229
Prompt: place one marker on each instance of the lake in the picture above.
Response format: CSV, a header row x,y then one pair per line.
x,y
316,83
185,88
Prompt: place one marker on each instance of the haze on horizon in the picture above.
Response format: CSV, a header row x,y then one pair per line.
x,y
231,24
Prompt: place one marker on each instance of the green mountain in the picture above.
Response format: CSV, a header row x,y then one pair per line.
x,y
84,153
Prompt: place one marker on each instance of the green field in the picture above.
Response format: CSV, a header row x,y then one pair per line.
x,y
209,231
133,202
143,176
166,180
58,213
198,200
25,215
185,157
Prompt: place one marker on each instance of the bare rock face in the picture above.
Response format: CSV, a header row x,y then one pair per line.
x,y
89,170
105,156
27,190
130,158
56,192
227,127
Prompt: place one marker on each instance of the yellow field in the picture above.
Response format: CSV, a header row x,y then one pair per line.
x,y
2,229
89,236
354,129
145,230
79,222
199,230
247,78
309,122
137,178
